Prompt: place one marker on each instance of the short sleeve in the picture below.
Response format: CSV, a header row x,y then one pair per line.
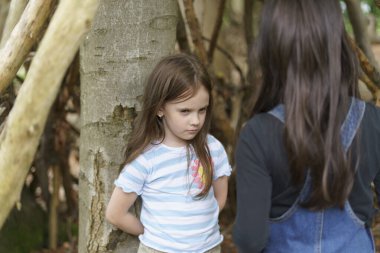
x,y
219,157
133,176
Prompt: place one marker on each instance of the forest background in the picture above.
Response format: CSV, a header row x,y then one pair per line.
x,y
71,78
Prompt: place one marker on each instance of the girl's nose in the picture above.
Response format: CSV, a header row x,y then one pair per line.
x,y
195,120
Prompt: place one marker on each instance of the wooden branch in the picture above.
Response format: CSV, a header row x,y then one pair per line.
x,y
195,31
22,38
359,26
215,33
20,138
53,209
248,23
183,43
16,9
367,67
4,8
231,59
368,83
377,98
377,2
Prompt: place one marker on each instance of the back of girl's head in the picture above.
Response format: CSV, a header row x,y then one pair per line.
x,y
175,77
302,47
307,63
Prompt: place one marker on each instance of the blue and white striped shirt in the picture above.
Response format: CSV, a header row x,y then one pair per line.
x,y
173,220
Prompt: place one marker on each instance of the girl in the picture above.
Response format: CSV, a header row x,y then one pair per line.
x,y
178,169
304,170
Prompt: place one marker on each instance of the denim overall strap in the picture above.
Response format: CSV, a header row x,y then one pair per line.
x,y
350,124
329,230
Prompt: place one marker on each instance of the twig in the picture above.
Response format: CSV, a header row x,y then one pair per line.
x,y
248,20
231,59
215,33
195,31
367,67
183,43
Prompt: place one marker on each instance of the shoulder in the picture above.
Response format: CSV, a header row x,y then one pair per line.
x,y
371,119
153,150
372,111
214,143
260,125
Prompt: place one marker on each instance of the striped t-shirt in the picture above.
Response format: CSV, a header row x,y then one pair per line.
x,y
173,219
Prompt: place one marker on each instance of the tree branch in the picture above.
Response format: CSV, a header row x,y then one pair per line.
x,y
231,59
368,68
16,9
20,138
22,38
248,23
358,23
183,43
195,31
215,33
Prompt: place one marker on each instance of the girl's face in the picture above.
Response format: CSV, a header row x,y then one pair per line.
x,y
185,118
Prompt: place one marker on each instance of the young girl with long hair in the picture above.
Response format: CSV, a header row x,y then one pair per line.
x,y
307,158
179,170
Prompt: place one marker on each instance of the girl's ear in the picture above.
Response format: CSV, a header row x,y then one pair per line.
x,y
160,113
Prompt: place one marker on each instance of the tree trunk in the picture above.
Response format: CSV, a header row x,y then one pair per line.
x,y
127,39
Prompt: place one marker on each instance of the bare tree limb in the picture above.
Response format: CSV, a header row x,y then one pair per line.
x,y
248,22
22,38
19,140
231,59
377,2
368,68
358,23
4,8
215,33
195,31
16,9
183,43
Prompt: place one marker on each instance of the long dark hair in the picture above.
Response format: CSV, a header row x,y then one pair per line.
x,y
307,64
175,77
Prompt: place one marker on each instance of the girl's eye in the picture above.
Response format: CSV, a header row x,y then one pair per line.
x,y
204,109
185,111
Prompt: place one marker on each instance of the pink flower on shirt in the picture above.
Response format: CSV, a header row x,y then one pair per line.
x,y
198,173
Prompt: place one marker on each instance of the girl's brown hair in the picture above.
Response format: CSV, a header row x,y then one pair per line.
x,y
308,64
174,77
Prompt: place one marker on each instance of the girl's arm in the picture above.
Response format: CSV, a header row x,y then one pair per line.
x,y
254,189
117,212
220,186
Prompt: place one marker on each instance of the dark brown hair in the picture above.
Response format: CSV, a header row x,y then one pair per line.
x,y
307,64
174,77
